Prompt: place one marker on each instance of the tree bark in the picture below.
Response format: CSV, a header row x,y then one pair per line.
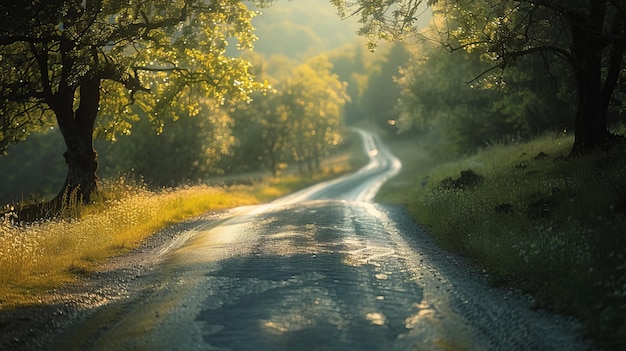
x,y
81,158
587,48
590,125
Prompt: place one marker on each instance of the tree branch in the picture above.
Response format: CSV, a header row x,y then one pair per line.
x,y
564,54
143,28
42,62
481,75
118,73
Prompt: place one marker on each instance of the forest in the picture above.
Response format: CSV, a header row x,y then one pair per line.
x,y
194,93
309,84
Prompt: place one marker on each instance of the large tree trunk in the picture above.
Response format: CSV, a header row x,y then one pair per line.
x,y
590,130
77,130
81,158
593,94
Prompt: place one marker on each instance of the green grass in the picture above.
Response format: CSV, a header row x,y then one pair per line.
x,y
570,253
37,258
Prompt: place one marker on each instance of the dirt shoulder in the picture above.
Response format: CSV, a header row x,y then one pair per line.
x,y
36,327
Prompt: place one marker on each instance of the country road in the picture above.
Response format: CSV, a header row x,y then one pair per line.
x,y
322,269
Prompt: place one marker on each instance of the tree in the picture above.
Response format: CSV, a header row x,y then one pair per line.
x,y
589,35
445,104
351,65
526,100
262,131
187,150
299,122
382,92
313,99
81,64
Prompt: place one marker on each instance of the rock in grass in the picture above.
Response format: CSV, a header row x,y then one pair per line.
x,y
468,179
540,208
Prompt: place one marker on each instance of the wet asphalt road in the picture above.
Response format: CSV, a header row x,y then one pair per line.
x,y
323,269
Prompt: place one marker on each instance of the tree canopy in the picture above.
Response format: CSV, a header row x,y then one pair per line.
x,y
97,67
81,64
588,35
299,122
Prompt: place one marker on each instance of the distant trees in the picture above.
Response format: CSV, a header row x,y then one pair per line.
x,y
588,36
314,98
300,122
262,135
70,62
187,150
353,66
381,92
440,94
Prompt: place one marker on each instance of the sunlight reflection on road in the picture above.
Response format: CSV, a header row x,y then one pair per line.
x,y
426,311
324,269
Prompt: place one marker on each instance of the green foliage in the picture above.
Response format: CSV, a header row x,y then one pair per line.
x,y
384,20
148,46
300,122
313,100
187,150
434,101
262,131
381,94
585,37
174,133
186,69
352,66
551,225
82,64
512,29
471,109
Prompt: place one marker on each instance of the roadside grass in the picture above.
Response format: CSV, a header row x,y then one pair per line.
x,y
541,221
37,258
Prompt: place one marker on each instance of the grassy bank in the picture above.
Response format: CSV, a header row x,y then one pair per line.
x,y
534,218
37,258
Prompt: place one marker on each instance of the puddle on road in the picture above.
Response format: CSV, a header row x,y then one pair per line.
x,y
376,318
381,276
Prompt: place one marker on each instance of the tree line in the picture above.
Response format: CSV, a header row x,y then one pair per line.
x,y
106,68
296,121
580,44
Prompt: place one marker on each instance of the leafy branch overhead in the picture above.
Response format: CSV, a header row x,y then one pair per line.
x,y
589,36
384,19
81,64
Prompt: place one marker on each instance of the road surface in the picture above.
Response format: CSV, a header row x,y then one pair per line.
x,y
323,269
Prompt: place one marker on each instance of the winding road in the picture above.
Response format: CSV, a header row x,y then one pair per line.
x,y
322,269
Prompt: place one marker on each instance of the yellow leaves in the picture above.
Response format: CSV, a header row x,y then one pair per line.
x,y
185,66
181,60
193,110
484,26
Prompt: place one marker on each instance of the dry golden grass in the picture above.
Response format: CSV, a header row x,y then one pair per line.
x,y
44,255
39,257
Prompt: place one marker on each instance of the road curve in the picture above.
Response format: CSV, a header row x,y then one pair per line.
x,y
323,269
359,186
